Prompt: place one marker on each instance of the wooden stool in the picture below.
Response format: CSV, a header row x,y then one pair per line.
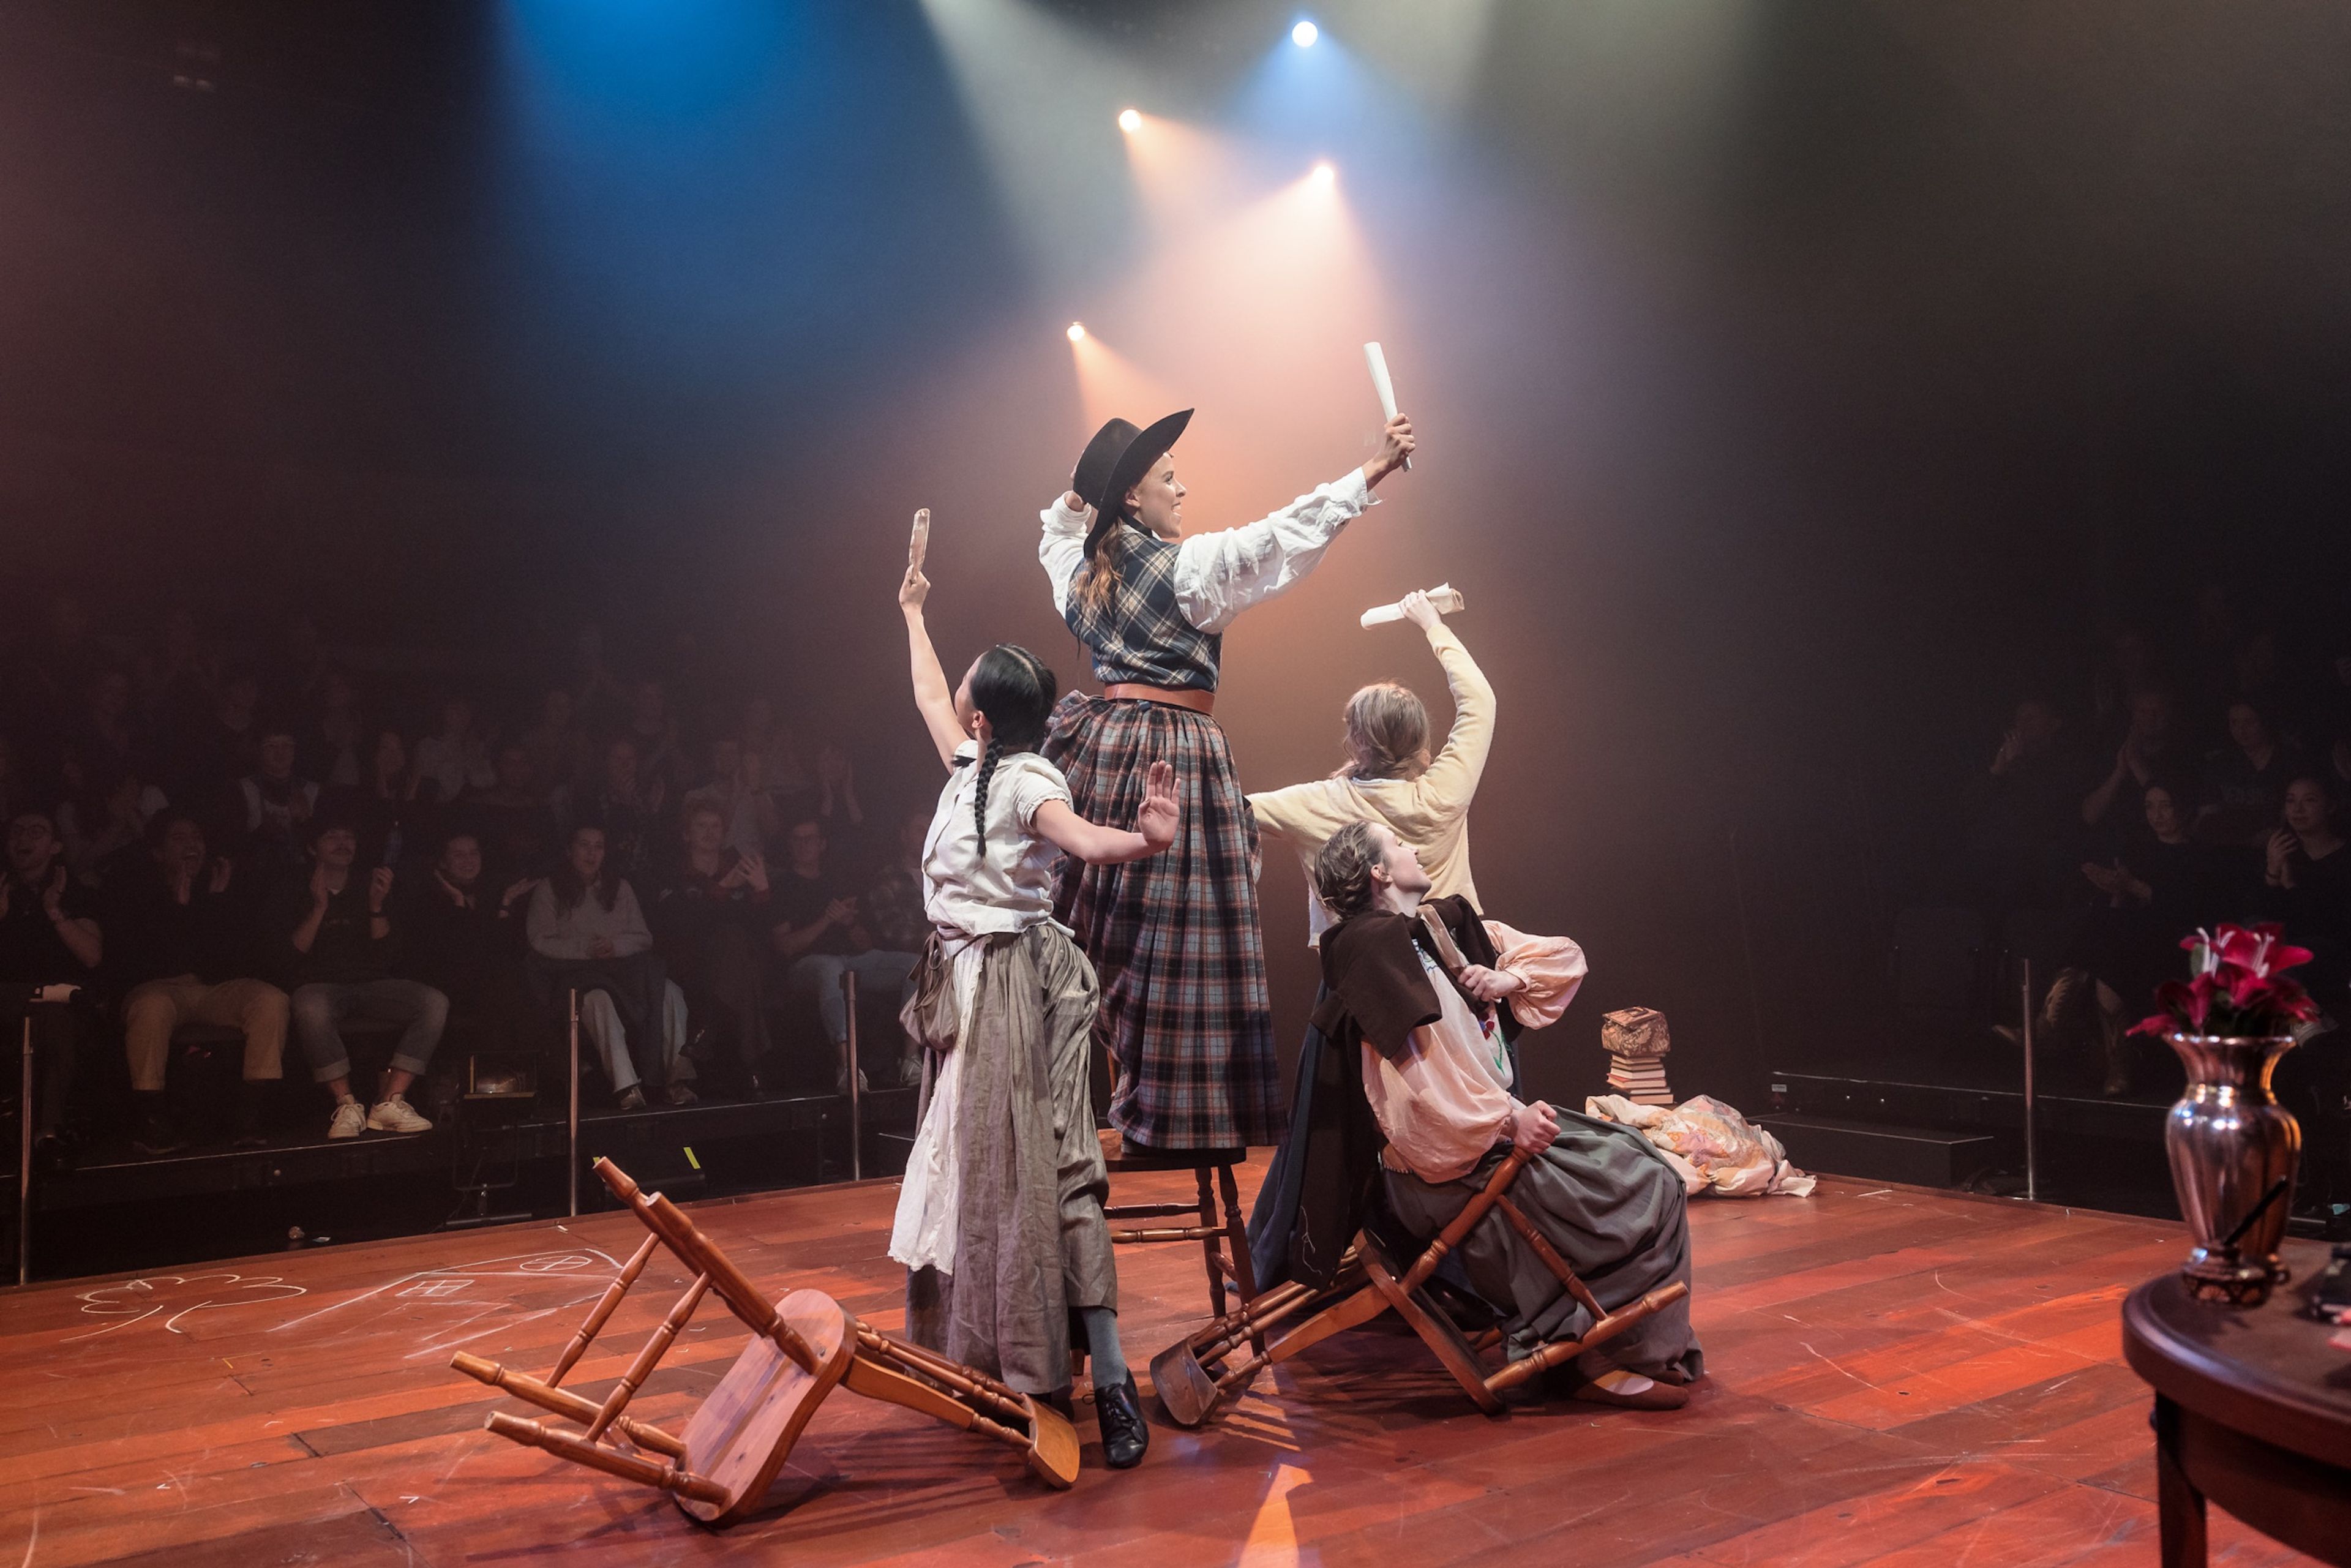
x,y
1224,1245
738,1439
1192,1381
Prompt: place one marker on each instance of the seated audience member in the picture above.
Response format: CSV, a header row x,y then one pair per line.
x,y
331,934
818,936
2244,781
218,749
625,802
1438,1088
778,751
2153,748
183,944
2161,885
2306,878
892,917
836,803
278,805
588,934
334,749
736,789
708,914
661,755
102,817
106,740
48,937
383,805
511,820
464,937
454,761
559,752
2030,815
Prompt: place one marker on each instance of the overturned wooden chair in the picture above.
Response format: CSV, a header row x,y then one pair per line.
x,y
738,1439
1194,1379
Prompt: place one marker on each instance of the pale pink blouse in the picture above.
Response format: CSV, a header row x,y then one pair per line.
x,y
1447,1099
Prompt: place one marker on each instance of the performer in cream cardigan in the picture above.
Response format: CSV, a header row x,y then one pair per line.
x,y
1389,776
1390,780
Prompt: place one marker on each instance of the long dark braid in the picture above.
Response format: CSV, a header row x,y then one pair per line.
x,y
987,759
1015,689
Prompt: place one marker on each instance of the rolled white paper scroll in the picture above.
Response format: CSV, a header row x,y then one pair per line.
x,y
1378,361
1445,598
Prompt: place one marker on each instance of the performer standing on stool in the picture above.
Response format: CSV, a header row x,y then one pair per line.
x,y
1000,1219
1186,1013
1388,779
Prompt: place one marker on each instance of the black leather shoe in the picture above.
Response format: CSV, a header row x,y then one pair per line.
x,y
1124,1433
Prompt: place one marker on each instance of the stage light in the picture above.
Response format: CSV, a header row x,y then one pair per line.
x,y
1129,122
1077,332
1325,176
1304,33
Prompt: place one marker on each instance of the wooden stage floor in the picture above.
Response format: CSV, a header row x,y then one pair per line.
x,y
1898,1377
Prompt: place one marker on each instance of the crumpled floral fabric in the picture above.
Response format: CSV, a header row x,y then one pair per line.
x,y
1713,1148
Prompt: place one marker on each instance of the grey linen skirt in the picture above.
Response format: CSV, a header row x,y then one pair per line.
x,y
1614,1208
1031,1245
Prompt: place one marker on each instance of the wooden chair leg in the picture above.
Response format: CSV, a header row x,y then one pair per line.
x,y
1208,1242
1236,1249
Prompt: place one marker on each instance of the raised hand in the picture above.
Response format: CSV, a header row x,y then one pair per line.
x,y
52,897
1160,816
754,867
1415,608
223,869
1396,445
319,892
378,888
914,588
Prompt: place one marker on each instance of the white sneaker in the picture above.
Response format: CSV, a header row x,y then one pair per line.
x,y
841,1081
396,1115
350,1120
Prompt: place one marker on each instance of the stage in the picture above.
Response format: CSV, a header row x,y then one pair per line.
x,y
1898,1375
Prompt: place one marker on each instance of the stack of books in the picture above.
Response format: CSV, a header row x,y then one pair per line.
x,y
1640,1079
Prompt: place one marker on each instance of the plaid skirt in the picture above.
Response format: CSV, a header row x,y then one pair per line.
x,y
1186,1014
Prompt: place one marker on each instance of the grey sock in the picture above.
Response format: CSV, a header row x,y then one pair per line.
x,y
1101,1346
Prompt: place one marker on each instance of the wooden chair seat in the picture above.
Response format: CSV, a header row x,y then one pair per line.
x,y
739,1438
1194,1379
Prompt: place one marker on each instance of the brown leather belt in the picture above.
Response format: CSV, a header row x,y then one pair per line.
x,y
1173,697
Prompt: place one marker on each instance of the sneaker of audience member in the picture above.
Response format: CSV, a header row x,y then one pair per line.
x,y
632,1099
679,1094
395,1115
350,1120
841,1081
909,1070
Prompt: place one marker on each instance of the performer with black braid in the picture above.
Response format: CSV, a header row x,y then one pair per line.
x,y
1186,1016
1000,1220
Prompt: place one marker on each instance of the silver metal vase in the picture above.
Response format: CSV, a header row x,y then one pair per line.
x,y
2233,1151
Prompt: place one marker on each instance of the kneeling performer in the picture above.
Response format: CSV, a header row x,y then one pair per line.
x,y
1414,982
1000,1220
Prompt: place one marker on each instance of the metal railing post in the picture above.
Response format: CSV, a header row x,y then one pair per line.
x,y
573,1173
2032,1141
856,1106
25,1159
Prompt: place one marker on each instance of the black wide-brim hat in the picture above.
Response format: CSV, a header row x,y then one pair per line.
x,y
1115,460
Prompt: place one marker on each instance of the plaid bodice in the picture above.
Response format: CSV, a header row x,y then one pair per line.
x,y
1144,638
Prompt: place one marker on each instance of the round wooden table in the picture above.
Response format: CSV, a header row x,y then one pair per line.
x,y
2252,1410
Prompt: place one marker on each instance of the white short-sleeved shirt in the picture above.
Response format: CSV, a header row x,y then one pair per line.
x,y
1011,887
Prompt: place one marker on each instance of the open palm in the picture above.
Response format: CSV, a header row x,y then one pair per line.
x,y
1159,817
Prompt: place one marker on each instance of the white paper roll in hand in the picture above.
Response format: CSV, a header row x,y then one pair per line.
x,y
1445,599
1376,358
